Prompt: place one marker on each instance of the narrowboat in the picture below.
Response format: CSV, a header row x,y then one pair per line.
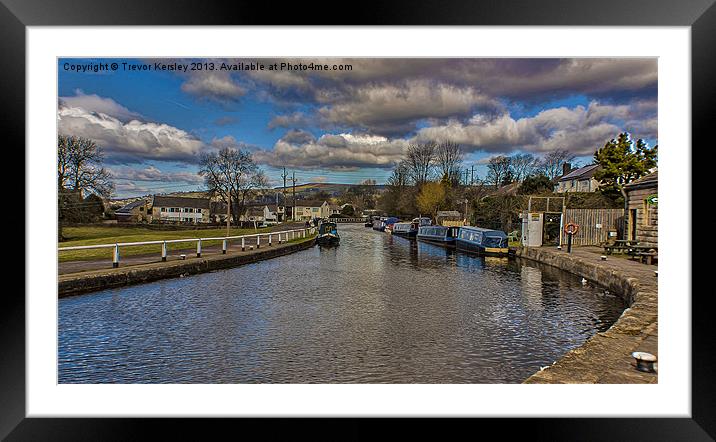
x,y
438,234
328,234
423,221
483,241
388,224
379,224
409,230
369,222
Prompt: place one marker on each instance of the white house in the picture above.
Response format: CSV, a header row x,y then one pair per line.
x,y
179,209
578,180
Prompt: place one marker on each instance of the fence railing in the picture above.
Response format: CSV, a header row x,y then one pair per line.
x,y
282,236
350,220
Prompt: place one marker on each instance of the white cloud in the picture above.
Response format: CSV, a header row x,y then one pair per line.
x,y
213,86
581,130
151,173
130,142
97,104
335,152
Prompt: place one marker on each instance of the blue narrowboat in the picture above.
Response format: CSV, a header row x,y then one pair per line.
x,y
483,241
328,234
405,229
438,234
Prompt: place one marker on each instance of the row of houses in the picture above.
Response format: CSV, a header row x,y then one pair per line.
x,y
178,209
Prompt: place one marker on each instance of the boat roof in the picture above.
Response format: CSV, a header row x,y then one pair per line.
x,y
483,230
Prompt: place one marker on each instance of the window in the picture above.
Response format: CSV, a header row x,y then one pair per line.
x,y
645,216
163,209
141,209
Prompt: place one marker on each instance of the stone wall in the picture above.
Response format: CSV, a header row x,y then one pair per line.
x,y
606,357
75,284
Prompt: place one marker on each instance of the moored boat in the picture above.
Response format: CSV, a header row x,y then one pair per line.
x,y
328,234
438,234
405,229
483,241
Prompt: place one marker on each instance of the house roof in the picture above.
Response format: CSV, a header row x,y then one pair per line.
x,y
448,213
309,203
650,180
581,173
255,211
180,201
128,207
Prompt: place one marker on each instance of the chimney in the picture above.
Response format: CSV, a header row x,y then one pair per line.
x,y
566,168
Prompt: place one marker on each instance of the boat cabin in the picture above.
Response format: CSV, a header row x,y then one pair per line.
x,y
438,234
484,241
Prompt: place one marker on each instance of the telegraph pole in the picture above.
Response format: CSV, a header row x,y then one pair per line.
x,y
466,171
472,175
228,216
293,180
284,183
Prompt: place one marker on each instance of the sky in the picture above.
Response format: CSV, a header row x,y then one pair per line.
x,y
348,121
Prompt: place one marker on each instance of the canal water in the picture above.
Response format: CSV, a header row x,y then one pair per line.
x,y
376,309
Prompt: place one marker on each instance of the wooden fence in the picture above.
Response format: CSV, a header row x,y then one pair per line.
x,y
594,225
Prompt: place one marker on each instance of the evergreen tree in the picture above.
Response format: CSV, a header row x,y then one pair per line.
x,y
622,161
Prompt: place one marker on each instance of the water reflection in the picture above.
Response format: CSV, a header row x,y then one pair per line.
x,y
376,309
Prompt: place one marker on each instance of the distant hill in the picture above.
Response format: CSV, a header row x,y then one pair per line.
x,y
303,191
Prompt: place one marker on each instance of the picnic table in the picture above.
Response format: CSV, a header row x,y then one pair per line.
x,y
620,246
645,254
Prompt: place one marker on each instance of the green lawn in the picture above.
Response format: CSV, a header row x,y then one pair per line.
x,y
83,236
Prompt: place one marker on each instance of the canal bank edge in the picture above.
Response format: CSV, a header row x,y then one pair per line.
x,y
605,358
76,284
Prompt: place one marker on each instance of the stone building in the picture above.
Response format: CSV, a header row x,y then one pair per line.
x,y
179,209
578,180
642,210
134,212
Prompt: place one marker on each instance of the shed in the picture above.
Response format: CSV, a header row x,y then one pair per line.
x,y
642,210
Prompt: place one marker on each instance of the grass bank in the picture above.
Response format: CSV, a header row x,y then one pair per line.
x,y
85,236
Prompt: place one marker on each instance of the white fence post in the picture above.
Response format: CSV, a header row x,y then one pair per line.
x,y
269,240
115,256
223,246
279,238
243,244
164,251
258,241
198,249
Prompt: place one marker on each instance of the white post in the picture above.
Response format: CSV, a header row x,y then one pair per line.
x,y
164,251
258,241
223,247
115,256
293,234
279,238
243,244
269,240
198,249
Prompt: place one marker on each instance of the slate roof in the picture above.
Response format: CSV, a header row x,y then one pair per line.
x,y
128,207
581,173
180,201
650,180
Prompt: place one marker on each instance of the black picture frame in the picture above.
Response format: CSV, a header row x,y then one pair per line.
x,y
16,15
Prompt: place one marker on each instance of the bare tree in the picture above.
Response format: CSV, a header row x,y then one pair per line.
x,y
523,165
552,163
79,167
448,158
233,175
420,161
499,170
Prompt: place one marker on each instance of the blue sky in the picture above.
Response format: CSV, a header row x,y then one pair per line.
x,y
339,126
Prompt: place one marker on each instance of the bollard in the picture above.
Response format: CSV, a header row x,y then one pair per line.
x,y
258,241
269,240
115,256
644,361
164,251
243,244
198,249
279,238
223,247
